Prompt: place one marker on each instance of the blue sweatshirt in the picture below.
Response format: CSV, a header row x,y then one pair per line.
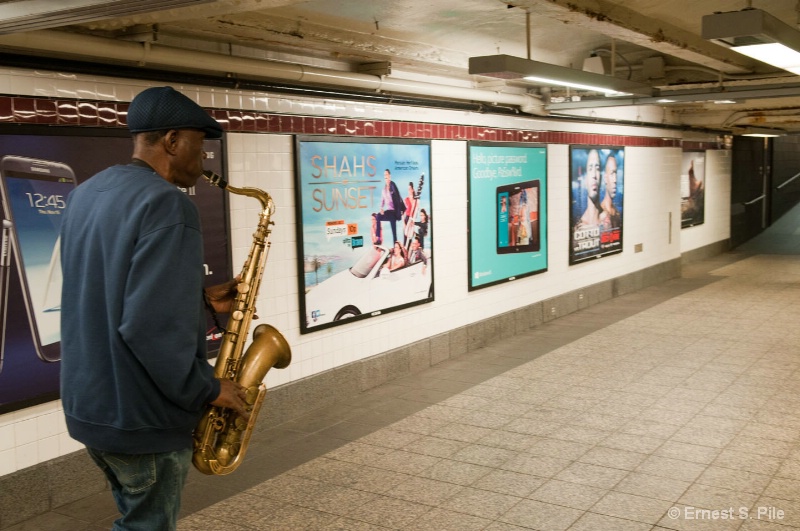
x,y
134,375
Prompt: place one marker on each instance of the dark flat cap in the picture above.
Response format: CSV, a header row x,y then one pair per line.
x,y
161,108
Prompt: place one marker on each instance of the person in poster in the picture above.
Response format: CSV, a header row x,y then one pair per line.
x,y
346,190
596,202
392,206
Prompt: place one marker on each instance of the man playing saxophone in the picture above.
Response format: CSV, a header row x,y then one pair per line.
x,y
134,375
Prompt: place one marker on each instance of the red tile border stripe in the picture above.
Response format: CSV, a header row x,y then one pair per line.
x,y
59,112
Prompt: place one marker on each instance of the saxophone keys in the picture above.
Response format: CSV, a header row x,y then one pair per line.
x,y
251,394
237,315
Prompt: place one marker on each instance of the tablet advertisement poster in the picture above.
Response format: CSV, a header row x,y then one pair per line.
x,y
507,195
365,231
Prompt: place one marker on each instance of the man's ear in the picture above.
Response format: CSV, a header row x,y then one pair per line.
x,y
170,141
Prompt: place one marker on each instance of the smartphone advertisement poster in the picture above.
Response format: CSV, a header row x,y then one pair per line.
x,y
38,170
693,188
365,231
596,194
507,195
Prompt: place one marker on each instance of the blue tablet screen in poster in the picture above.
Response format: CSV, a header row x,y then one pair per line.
x,y
364,232
507,214
597,175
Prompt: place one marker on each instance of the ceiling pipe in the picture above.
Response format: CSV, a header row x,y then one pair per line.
x,y
56,43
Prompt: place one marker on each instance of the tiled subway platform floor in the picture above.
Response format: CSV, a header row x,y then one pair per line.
x,y
673,408
682,415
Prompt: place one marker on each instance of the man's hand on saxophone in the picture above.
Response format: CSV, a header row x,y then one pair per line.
x,y
221,296
232,396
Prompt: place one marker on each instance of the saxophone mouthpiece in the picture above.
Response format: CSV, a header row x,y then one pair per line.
x,y
214,179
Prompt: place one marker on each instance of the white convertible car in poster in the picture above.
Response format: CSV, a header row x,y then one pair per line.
x,y
368,287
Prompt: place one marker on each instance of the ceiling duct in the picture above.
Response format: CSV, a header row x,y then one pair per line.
x,y
27,15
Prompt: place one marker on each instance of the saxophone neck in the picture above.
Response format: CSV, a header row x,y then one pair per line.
x,y
267,204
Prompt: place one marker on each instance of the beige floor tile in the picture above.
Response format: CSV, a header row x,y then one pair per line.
x,y
423,490
598,421
740,480
592,475
509,482
696,434
632,443
760,446
444,520
613,458
478,454
651,486
560,448
434,446
649,428
568,494
601,522
507,440
390,512
688,452
536,465
534,427
532,514
760,464
461,432
456,472
480,503
784,489
632,507
671,468
579,434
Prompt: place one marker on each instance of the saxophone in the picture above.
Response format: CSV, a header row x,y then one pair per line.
x,y
221,437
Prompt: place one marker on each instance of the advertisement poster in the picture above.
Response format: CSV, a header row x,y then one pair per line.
x,y
365,229
507,194
39,167
693,188
597,176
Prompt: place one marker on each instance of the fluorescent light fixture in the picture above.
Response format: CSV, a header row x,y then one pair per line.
x,y
509,67
761,132
26,15
756,34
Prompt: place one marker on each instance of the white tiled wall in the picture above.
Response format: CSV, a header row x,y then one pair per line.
x,y
652,191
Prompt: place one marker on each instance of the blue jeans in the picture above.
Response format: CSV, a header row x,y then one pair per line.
x,y
146,487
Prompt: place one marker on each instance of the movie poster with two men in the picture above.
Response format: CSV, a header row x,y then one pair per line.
x,y
364,228
596,198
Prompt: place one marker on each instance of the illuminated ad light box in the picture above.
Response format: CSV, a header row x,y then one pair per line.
x,y
507,197
39,167
597,176
365,231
